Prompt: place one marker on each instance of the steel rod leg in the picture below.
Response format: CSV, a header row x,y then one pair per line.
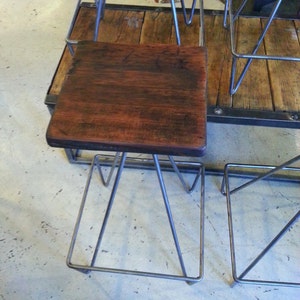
x,y
175,20
263,176
168,209
187,188
77,224
112,168
100,8
270,245
109,207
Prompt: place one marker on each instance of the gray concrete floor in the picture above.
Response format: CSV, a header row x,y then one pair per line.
x,y
40,193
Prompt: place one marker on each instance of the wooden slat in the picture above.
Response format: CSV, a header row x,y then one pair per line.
x,y
123,27
219,61
254,92
284,75
297,26
157,28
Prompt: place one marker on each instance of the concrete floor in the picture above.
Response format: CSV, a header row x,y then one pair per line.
x,y
40,191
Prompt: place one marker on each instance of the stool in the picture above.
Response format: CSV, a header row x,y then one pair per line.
x,y
258,173
137,99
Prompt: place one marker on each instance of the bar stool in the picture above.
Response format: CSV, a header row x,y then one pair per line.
x,y
137,99
253,174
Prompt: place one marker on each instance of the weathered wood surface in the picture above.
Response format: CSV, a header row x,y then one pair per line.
x,y
269,86
150,98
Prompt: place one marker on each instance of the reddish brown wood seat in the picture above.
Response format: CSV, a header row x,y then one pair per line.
x,y
133,98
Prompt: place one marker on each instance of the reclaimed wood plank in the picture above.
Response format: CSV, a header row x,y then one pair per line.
x,y
219,61
282,39
254,91
121,26
157,28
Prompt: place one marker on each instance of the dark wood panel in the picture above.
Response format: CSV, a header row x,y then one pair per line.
x,y
136,99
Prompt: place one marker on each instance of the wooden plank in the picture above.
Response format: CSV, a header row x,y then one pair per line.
x,y
254,92
282,39
219,61
297,26
157,28
121,26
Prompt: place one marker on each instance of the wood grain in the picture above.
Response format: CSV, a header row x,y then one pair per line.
x,y
254,92
282,39
134,98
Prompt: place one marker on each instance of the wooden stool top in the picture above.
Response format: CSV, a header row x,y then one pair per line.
x,y
133,98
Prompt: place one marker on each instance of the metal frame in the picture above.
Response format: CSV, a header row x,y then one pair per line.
x,y
233,17
226,190
91,267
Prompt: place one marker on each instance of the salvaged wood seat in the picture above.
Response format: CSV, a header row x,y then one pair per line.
x,y
134,98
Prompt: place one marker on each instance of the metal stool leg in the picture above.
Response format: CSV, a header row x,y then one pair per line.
x,y
76,229
186,187
226,190
188,19
93,267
